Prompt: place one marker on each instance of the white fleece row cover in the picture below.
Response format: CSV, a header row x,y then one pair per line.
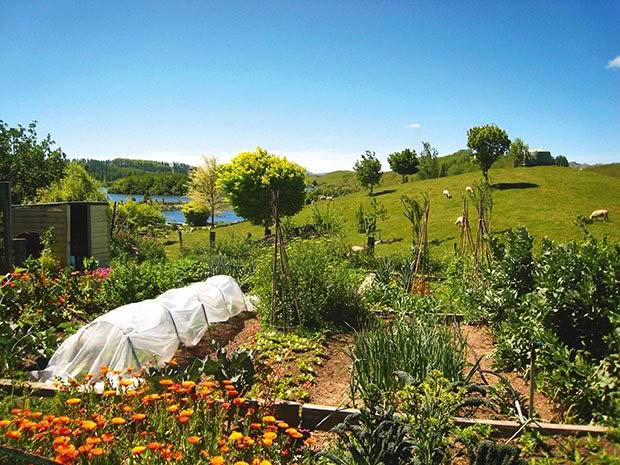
x,y
146,333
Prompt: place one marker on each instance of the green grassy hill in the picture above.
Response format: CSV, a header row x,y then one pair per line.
x,y
612,169
544,199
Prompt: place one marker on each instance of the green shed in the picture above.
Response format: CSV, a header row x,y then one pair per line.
x,y
81,229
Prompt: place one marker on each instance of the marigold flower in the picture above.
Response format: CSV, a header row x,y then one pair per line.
x,y
109,392
13,434
232,393
227,382
84,449
188,384
193,439
187,413
267,442
270,435
36,414
283,425
173,408
153,445
127,409
265,462
60,440
138,416
117,421
5,422
269,419
138,450
256,426
219,460
125,382
242,463
166,382
97,451
183,419
89,425
224,449
209,384
92,440
235,436
239,400
73,401
225,405
297,435
178,455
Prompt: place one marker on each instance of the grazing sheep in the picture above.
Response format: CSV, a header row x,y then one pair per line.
x,y
460,221
446,193
357,249
600,214
329,197
322,197
469,189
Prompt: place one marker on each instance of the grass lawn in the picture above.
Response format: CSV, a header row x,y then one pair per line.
x,y
544,199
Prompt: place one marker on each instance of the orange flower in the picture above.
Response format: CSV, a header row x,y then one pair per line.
x,y
109,392
166,382
107,437
97,451
282,425
13,434
193,439
270,435
219,460
239,400
187,413
227,382
242,463
269,419
83,449
73,401
265,462
209,384
5,422
118,421
183,419
153,445
178,455
173,408
267,442
225,405
125,382
232,393
16,411
89,425
138,416
235,436
188,384
138,450
127,409
255,426
92,440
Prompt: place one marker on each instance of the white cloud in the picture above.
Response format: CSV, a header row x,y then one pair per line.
x,y
414,125
615,63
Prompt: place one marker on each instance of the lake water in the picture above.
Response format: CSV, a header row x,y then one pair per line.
x,y
175,216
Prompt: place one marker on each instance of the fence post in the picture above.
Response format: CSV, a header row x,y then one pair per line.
x,y
7,227
181,238
212,239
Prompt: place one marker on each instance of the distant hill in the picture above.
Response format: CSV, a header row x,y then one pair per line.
x,y
111,170
612,169
545,199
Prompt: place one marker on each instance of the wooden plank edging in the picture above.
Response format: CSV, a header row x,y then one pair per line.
x,y
324,417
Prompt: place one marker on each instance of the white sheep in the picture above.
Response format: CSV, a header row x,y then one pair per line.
x,y
460,221
469,189
446,193
329,197
600,214
357,249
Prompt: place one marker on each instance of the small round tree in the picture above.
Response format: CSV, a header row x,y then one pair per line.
x,y
251,179
202,188
404,162
368,170
488,143
519,151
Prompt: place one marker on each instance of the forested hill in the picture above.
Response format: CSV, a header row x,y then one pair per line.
x,y
111,170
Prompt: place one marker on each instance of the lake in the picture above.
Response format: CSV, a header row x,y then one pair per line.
x,y
174,216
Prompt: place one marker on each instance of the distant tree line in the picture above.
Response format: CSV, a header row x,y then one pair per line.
x,y
151,183
111,170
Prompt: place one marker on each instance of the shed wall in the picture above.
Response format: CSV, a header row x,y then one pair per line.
x,y
99,234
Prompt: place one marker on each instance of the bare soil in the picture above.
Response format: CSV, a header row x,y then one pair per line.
x,y
331,385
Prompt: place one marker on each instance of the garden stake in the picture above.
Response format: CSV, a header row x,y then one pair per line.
x,y
532,378
181,238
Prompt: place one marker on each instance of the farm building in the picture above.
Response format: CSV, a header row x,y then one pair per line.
x,y
540,157
80,229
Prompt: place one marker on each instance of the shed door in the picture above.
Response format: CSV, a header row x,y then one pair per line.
x,y
79,233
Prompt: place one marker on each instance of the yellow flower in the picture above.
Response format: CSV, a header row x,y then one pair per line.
x,y
138,416
13,434
109,392
89,425
173,408
5,422
270,435
267,442
97,451
138,450
269,419
125,382
265,462
193,439
235,436
73,401
242,463
166,382
188,384
93,440
187,413
117,421
219,460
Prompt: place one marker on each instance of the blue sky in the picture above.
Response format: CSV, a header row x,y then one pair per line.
x,y
317,81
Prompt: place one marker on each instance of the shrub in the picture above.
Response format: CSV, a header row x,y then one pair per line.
x,y
415,347
325,287
143,216
196,213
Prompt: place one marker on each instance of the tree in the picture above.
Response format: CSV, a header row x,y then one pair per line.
x,y
561,160
488,143
429,165
404,162
368,170
250,179
76,185
520,152
203,190
28,163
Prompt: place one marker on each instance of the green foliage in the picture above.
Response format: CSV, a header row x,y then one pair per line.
x,y
251,177
404,162
236,366
520,152
138,216
324,285
136,227
29,163
76,185
429,164
196,213
488,143
493,453
203,190
415,347
367,219
368,170
375,436
150,183
110,170
328,221
561,160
